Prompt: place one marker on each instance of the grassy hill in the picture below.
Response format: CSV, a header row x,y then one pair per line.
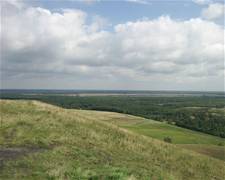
x,y
193,140
40,141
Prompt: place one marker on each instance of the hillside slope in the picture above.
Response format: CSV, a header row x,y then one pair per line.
x,y
40,141
193,140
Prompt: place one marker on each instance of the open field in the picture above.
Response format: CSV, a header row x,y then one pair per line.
x,y
196,141
158,130
40,141
177,134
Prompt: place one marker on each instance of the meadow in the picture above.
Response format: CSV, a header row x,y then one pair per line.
x,y
193,140
41,141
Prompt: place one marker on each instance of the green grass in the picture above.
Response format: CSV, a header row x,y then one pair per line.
x,y
155,129
178,135
210,150
196,141
79,144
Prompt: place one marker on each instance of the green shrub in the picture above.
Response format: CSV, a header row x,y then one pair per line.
x,y
168,139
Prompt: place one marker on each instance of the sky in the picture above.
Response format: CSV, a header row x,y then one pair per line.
x,y
112,45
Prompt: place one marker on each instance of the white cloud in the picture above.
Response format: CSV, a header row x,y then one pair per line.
x,y
202,2
139,1
214,11
131,1
65,46
16,3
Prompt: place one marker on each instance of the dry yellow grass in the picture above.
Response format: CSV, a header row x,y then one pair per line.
x,y
77,144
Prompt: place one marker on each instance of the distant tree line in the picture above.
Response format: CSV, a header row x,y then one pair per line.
x,y
195,113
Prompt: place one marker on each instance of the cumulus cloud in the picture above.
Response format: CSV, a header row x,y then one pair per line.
x,y
164,45
214,11
38,43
